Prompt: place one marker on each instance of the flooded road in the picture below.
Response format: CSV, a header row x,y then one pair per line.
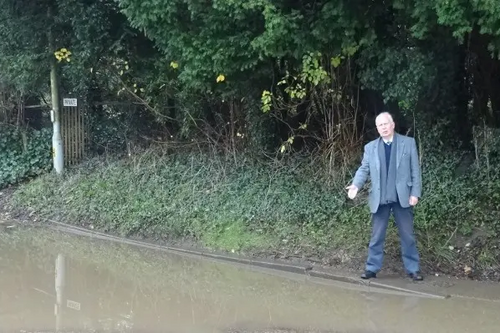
x,y
51,281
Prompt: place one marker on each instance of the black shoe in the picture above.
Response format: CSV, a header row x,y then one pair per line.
x,y
416,276
368,275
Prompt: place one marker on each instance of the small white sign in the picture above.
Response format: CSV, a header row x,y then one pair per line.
x,y
70,102
73,305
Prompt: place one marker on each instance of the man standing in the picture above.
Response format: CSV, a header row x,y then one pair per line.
x,y
392,163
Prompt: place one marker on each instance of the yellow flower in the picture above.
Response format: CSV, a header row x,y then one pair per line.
x,y
174,64
62,54
220,78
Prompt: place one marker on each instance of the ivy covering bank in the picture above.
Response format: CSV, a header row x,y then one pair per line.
x,y
246,206
24,154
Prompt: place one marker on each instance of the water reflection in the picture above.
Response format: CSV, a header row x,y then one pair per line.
x,y
99,286
60,282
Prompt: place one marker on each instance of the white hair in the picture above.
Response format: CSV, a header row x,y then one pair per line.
x,y
385,113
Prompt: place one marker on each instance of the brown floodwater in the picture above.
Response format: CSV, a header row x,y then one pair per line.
x,y
52,281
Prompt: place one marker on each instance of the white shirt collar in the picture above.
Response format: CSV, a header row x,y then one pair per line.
x,y
388,140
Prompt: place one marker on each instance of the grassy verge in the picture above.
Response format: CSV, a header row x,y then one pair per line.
x,y
238,206
247,206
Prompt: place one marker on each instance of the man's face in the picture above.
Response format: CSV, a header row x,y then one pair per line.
x,y
385,126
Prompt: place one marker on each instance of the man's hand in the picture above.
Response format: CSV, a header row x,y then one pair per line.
x,y
413,201
352,191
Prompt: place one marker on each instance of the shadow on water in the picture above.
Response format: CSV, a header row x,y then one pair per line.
x,y
52,281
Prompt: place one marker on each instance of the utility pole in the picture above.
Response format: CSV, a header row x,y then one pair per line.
x,y
57,143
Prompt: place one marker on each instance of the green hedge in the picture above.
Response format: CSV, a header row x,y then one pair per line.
x,y
24,153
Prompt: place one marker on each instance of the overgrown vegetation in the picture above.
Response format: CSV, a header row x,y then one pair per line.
x,y
249,206
235,205
24,153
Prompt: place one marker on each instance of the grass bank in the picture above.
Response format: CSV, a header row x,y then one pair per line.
x,y
283,209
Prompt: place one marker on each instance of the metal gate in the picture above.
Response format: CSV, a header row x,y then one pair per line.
x,y
73,131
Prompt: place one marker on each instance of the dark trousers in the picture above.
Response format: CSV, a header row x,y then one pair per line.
x,y
404,222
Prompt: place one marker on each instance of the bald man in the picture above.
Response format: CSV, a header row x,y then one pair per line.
x,y
391,162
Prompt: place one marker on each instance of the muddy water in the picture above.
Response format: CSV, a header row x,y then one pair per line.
x,y
50,281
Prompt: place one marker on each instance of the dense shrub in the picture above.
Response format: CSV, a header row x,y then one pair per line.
x,y
24,153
